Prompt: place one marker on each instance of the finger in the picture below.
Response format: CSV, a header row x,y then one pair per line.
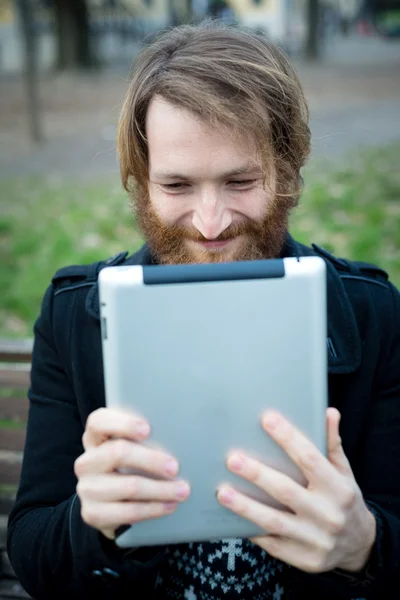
x,y
302,501
112,515
106,423
294,553
271,520
113,488
336,453
278,485
123,454
314,465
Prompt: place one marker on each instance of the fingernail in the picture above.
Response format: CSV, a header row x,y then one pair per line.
x,y
171,467
271,420
226,496
236,463
142,429
170,506
182,490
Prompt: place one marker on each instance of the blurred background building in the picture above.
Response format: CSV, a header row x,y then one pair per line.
x,y
112,26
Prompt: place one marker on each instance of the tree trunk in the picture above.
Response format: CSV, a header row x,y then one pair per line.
x,y
173,18
312,49
189,11
72,30
29,43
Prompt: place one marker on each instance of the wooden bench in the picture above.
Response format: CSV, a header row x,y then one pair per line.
x,y
15,359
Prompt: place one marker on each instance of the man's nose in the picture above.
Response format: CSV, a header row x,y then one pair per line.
x,y
210,216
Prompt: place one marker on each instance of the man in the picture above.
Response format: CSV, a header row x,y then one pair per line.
x,y
212,137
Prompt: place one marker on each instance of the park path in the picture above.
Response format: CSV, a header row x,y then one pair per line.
x,y
354,96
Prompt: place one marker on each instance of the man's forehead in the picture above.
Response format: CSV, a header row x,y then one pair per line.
x,y
175,126
181,146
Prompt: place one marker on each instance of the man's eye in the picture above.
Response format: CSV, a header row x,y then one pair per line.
x,y
174,186
242,182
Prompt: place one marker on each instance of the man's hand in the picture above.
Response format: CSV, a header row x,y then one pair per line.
x,y
329,525
110,499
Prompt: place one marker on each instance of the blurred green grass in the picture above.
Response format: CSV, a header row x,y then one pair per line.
x,y
47,223
9,424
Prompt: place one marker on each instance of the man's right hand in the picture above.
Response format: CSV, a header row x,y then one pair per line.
x,y
110,499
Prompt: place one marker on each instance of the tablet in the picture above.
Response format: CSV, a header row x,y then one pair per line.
x,y
201,351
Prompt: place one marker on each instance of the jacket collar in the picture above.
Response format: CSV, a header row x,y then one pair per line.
x,y
141,257
344,343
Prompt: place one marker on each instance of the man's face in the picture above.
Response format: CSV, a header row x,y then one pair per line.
x,y
206,201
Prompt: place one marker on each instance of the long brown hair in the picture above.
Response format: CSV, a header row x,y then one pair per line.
x,y
230,77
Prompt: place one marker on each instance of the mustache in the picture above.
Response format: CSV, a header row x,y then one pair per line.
x,y
234,230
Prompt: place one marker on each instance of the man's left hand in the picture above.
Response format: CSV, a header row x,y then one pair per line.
x,y
328,525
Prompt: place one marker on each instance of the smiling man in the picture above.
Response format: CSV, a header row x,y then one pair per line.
x,y
212,138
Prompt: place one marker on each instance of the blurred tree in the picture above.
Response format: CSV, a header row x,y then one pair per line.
x,y
29,43
173,18
72,30
313,46
216,7
189,11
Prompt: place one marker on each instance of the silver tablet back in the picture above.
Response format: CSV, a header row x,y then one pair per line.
x,y
201,360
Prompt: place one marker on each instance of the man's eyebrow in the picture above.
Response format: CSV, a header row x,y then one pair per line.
x,y
244,170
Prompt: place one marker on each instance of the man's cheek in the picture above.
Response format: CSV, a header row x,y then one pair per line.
x,y
173,214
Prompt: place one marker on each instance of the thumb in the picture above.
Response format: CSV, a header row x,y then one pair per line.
x,y
336,454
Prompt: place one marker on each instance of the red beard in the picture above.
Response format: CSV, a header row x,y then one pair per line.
x,y
260,239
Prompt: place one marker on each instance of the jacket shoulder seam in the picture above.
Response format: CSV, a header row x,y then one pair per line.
x,y
371,280
352,269
73,287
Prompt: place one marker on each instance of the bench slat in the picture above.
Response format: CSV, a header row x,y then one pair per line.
x,y
14,378
6,503
15,358
13,439
14,409
15,350
10,472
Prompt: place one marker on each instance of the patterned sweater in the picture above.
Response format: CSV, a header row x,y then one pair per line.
x,y
226,569
230,569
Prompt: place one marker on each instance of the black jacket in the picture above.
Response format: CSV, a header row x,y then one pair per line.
x,y
56,555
